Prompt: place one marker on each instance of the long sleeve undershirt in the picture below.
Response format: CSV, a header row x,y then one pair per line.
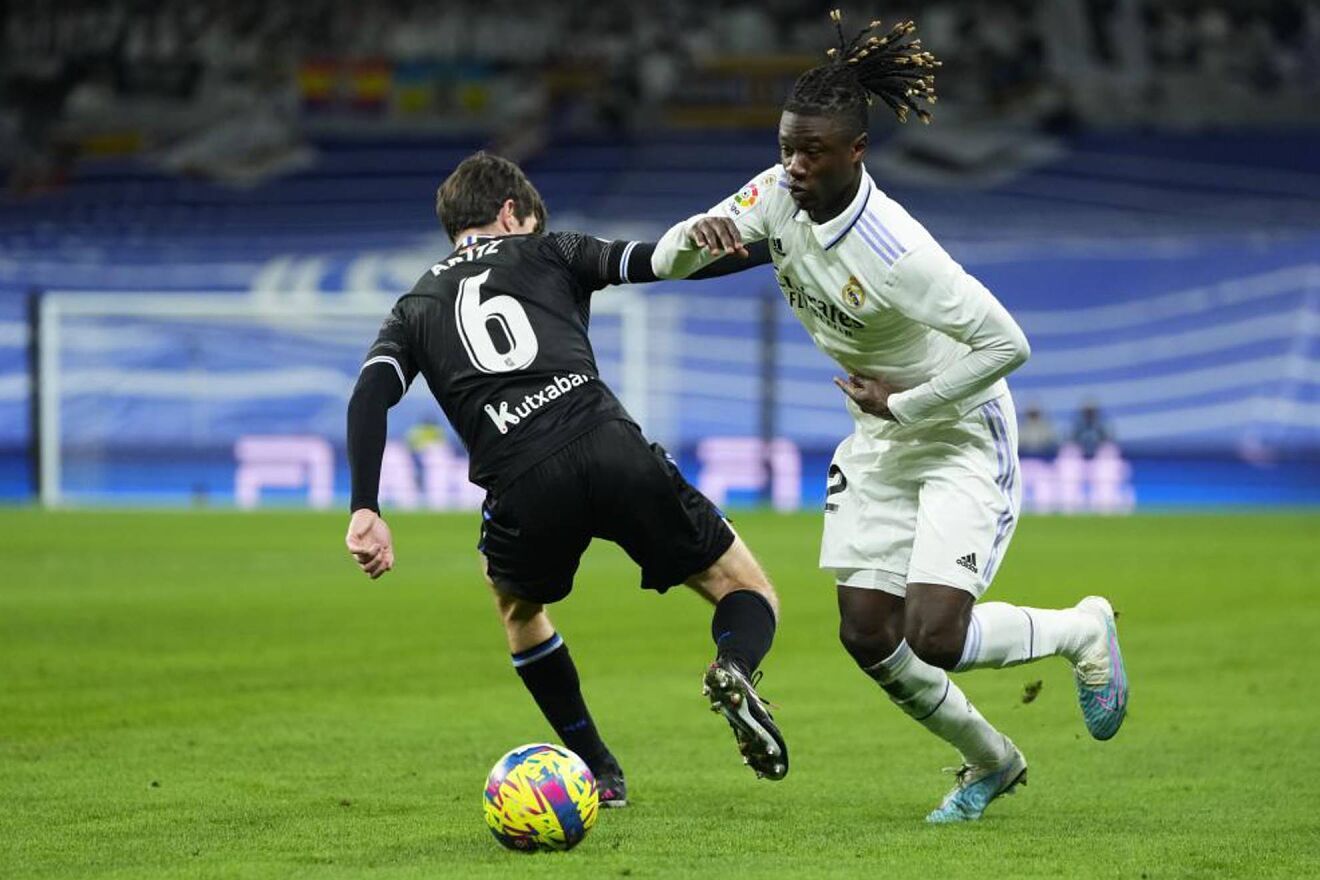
x,y
946,298
378,388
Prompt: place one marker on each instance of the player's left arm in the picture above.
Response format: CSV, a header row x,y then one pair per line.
x,y
928,286
389,368
597,262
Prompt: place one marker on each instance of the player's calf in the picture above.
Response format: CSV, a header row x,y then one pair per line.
x,y
746,607
735,571
542,660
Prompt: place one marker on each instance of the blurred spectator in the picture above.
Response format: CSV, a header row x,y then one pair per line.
x,y
746,29
1090,431
1036,435
1023,61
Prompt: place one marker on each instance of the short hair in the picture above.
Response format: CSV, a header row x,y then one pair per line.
x,y
892,68
476,190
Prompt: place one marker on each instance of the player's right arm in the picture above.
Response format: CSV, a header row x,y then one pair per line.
x,y
388,370
597,262
725,229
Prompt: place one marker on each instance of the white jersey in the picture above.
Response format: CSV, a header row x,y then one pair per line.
x,y
877,294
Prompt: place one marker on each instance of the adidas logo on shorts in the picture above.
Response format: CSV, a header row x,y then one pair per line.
x,y
968,562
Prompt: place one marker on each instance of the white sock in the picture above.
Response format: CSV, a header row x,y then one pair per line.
x,y
1002,635
927,694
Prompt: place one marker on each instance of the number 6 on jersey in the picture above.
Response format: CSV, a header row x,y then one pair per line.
x,y
474,327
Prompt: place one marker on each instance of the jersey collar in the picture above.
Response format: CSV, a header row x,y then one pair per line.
x,y
832,231
470,240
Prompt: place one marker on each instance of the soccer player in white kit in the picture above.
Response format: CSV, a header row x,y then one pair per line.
x,y
923,496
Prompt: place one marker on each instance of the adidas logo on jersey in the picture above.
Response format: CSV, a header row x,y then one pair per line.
x,y
968,562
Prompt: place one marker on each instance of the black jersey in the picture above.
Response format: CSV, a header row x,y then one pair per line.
x,y
499,330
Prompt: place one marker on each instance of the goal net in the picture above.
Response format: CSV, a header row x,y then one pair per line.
x,y
223,399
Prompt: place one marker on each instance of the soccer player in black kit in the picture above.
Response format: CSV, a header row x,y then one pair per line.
x,y
499,331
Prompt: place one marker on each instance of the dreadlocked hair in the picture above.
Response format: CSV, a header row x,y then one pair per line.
x,y
892,67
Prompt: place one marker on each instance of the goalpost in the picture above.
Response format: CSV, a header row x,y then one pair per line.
x,y
143,398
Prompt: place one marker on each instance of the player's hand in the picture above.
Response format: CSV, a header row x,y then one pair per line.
x,y
370,543
718,235
871,395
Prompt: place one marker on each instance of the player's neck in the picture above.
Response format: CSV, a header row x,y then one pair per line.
x,y
837,207
467,237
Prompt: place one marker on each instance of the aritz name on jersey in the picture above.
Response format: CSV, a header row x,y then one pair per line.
x,y
504,418
484,249
823,309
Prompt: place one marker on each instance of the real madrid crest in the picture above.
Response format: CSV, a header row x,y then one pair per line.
x,y
853,294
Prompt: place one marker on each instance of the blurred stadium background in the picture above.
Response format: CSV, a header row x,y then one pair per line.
x,y
209,207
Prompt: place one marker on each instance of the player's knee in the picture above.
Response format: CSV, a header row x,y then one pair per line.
x,y
736,570
940,646
515,612
868,642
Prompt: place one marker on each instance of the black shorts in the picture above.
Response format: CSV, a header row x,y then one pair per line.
x,y
609,483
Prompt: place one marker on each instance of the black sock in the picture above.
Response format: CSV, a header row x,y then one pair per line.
x,y
550,675
743,628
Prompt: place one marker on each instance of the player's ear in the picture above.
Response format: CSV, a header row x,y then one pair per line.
x,y
859,145
508,217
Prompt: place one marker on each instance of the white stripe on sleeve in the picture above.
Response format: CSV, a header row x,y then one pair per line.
x,y
623,261
386,359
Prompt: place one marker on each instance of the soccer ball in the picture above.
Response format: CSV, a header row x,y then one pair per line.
x,y
540,796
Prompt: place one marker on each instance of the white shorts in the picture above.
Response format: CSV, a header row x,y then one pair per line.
x,y
924,504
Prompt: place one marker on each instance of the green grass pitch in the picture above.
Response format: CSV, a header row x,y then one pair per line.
x,y
223,695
